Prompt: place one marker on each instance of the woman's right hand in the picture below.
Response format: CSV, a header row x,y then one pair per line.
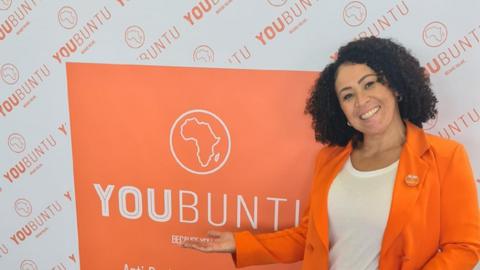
x,y
223,242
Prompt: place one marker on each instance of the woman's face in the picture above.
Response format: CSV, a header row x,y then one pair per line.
x,y
370,106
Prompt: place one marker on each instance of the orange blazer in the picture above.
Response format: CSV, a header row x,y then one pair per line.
x,y
434,220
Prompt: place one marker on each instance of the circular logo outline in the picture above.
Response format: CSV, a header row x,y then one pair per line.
x,y
28,263
427,27
430,124
277,5
197,50
22,200
24,142
7,6
60,12
345,15
172,148
14,68
136,27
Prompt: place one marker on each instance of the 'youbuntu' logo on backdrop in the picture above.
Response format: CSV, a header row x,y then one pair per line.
x,y
200,142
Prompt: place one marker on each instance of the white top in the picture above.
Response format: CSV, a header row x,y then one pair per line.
x,y
358,207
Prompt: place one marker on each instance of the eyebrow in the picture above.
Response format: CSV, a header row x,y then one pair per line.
x,y
359,81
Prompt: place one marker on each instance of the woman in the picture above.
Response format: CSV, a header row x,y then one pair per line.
x,y
385,195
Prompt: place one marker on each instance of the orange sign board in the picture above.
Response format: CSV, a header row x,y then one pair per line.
x,y
166,153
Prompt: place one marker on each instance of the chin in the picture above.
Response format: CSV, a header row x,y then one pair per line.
x,y
373,129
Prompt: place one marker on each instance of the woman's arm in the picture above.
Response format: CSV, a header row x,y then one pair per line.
x,y
284,246
248,249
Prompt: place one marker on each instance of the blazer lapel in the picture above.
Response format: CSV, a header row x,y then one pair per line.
x,y
324,178
409,181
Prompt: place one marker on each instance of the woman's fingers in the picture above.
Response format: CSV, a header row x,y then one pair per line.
x,y
198,245
214,234
215,242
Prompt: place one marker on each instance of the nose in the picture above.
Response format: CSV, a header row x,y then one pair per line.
x,y
362,98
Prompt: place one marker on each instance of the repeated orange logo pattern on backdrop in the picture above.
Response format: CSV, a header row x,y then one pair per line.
x,y
38,38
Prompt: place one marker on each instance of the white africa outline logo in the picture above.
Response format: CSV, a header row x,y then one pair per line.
x,y
215,156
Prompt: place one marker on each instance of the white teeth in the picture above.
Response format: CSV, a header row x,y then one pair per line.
x,y
369,113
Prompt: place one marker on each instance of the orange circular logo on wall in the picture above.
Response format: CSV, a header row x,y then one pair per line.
x,y
204,54
5,4
430,123
67,17
23,207
354,13
28,265
200,142
277,3
435,34
134,36
9,73
16,143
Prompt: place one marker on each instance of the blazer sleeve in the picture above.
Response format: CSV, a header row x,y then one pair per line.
x,y
285,246
460,218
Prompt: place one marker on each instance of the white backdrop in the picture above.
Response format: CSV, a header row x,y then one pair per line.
x,y
38,225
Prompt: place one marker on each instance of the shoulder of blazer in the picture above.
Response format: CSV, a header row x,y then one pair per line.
x,y
442,147
327,153
445,151
420,142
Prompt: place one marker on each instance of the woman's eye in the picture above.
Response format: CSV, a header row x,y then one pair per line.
x,y
369,85
347,96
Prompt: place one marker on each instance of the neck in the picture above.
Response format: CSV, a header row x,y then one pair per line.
x,y
392,138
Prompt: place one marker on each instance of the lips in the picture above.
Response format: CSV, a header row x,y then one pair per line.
x,y
370,113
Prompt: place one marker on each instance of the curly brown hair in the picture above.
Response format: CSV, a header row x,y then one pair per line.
x,y
395,66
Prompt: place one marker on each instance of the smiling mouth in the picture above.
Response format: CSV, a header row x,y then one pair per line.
x,y
370,113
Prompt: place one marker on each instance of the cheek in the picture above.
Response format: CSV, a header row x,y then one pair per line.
x,y
391,103
391,109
